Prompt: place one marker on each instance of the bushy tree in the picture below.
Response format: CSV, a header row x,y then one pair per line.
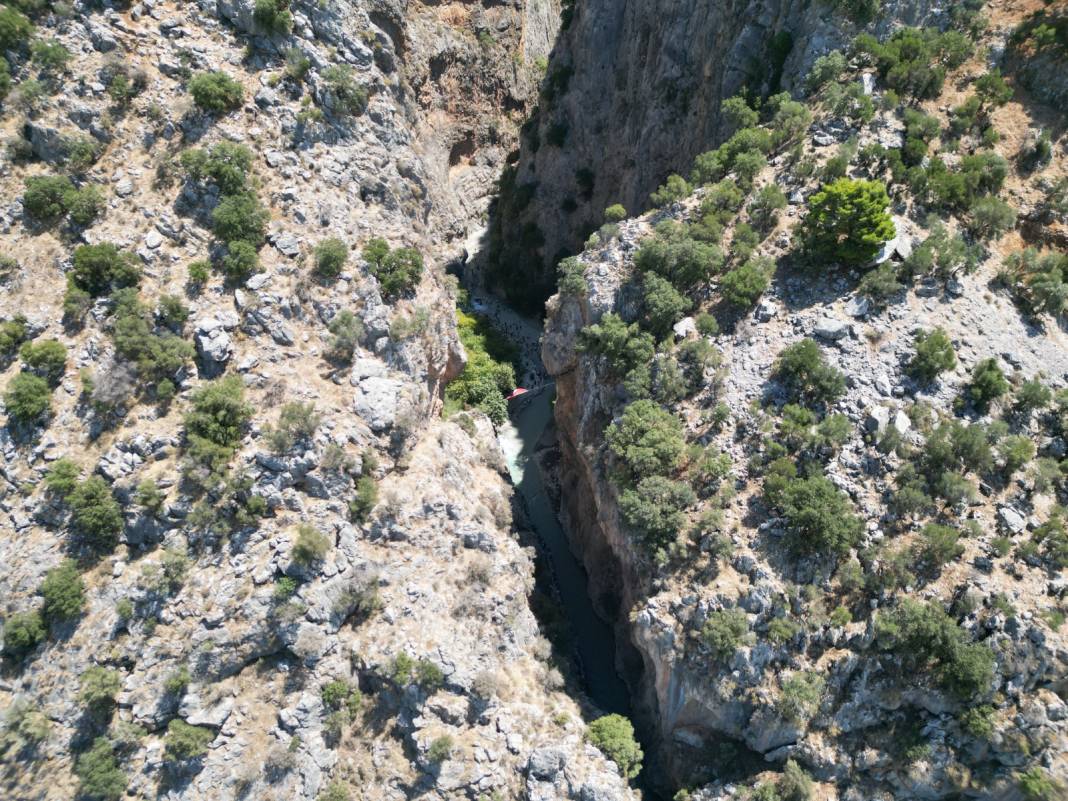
x,y
216,420
226,164
673,254
806,375
98,269
63,591
99,774
98,687
819,517
330,257
847,222
655,509
743,286
662,303
765,207
398,270
613,735
987,385
45,196
273,16
990,217
923,635
934,355
47,358
15,29
22,632
674,189
647,439
624,346
28,398
62,478
216,92
240,261
96,514
184,742
240,218
724,631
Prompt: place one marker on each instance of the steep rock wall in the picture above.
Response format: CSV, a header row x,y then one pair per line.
x,y
642,100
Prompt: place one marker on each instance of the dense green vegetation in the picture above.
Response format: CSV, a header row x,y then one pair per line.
x,y
398,270
216,92
614,736
490,373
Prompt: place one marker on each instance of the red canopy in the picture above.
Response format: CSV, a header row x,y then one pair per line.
x,y
516,393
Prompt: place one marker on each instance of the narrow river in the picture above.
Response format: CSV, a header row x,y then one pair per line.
x,y
593,638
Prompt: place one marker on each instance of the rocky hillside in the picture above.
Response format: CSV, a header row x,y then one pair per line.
x,y
244,555
811,419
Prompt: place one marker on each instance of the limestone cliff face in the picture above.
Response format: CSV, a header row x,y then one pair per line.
x,y
414,611
635,88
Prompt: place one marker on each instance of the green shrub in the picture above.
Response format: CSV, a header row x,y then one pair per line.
x,y
63,591
671,191
95,513
647,439
675,255
662,304
216,92
335,791
978,721
724,631
942,255
1039,280
349,97
346,332
913,61
98,688
1016,451
743,286
489,374
934,355
819,517
184,742
22,632
1037,785
330,257
157,357
50,55
28,398
859,11
62,478
571,280
176,681
99,774
240,261
624,346
226,164
199,272
13,333
939,545
800,696
296,422
400,671
613,735
216,420
654,508
311,546
847,222
806,376
397,270
365,499
990,217
45,196
429,676
101,268
987,385
794,784
273,16
15,29
240,218
47,358
440,749
923,634
85,205
615,214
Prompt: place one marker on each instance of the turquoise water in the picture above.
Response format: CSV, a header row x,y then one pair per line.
x,y
593,637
